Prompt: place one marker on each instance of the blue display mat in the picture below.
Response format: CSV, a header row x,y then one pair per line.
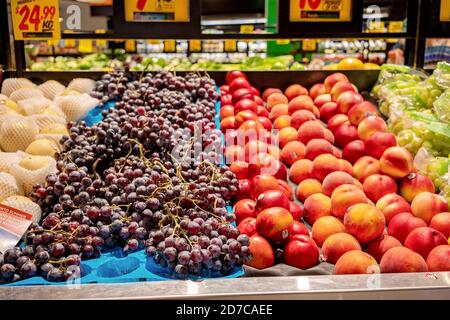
x,y
116,267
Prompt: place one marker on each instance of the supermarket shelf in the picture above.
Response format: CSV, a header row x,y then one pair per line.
x,y
382,286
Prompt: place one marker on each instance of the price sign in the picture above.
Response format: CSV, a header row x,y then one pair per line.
x,y
35,19
376,26
320,10
85,46
395,26
130,45
445,10
282,42
195,45
247,28
230,45
157,10
309,45
169,45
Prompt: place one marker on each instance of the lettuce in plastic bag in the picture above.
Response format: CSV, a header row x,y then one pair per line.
x,y
442,107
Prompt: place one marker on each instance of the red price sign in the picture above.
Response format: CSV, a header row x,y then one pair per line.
x,y
35,19
320,10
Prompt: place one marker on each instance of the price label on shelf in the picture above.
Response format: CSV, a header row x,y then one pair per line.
x,y
445,10
35,19
170,45
282,42
309,45
85,46
230,45
130,45
247,28
157,10
395,26
195,45
320,10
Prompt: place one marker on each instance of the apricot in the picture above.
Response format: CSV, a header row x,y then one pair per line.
x,y
325,227
301,103
334,180
365,222
377,248
415,183
300,117
391,205
439,259
226,111
228,123
286,135
278,111
324,165
292,152
441,222
316,147
338,244
300,170
422,240
377,143
269,91
364,167
317,90
426,205
295,90
262,183
346,167
401,259
360,111
344,197
306,188
276,98
356,262
316,205
282,122
354,151
262,253
274,151
370,125
378,185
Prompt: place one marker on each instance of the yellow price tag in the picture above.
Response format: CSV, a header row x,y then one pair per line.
x,y
85,46
157,11
320,10
52,42
69,43
247,28
376,26
195,45
395,26
444,14
100,42
130,45
35,19
169,45
230,45
282,42
309,45
153,41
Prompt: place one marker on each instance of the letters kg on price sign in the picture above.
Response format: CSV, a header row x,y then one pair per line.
x,y
157,10
35,19
320,10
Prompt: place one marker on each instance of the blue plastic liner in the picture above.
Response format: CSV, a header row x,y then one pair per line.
x,y
116,267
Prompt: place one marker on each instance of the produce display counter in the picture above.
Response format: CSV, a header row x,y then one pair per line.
x,y
382,286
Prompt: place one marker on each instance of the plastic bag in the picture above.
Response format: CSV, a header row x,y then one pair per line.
x,y
441,75
442,107
24,204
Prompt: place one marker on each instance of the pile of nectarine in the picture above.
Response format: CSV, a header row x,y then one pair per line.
x,y
358,191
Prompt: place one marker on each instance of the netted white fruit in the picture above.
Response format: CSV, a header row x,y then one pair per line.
x,y
34,105
8,185
55,128
42,147
70,92
5,111
3,97
31,170
13,106
17,132
43,120
54,110
6,158
82,85
75,107
24,204
26,93
12,84
55,138
51,89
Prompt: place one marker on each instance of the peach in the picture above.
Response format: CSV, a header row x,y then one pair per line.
x,y
401,259
344,197
234,153
269,91
282,122
317,90
338,244
337,153
271,198
254,147
306,188
274,224
316,205
296,210
334,180
300,170
295,90
344,134
354,150
415,183
238,83
240,169
243,116
226,99
365,222
328,110
292,151
370,125
422,240
244,187
356,262
247,226
361,111
262,183
301,252
402,224
286,135
336,121
226,111
426,205
264,163
377,248
278,110
286,188
378,185
244,208
377,143
274,99
365,167
298,228
347,167
347,100
267,124
254,125
242,93
262,112
316,147
441,222
325,227
274,151
439,259
329,136
301,103
262,253
324,165
259,101
300,117
332,79
228,123
391,205
310,130
246,104
339,88
321,100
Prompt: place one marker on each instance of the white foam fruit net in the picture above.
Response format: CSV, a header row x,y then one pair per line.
x,y
17,132
34,105
75,107
51,89
82,85
6,158
24,204
8,186
44,120
26,93
12,84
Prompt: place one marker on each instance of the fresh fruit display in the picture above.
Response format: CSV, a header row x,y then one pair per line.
x,y
135,180
93,62
360,194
